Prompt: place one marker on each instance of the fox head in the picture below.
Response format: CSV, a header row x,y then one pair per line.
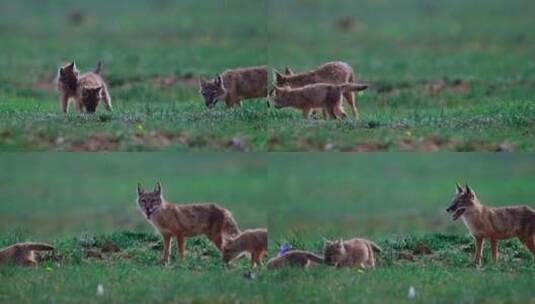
x,y
277,97
463,200
281,79
212,91
231,250
90,98
149,202
68,75
333,251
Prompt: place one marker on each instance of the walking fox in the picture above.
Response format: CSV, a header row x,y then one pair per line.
x,y
295,258
492,223
23,253
233,86
87,90
355,252
320,95
181,221
254,241
330,73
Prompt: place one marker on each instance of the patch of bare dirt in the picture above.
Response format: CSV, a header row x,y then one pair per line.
x,y
427,144
76,17
158,139
163,81
405,255
96,142
422,249
433,87
369,147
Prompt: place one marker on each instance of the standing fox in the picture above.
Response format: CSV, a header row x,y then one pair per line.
x,y
181,221
233,86
22,253
492,223
355,252
296,258
254,241
330,72
86,90
320,95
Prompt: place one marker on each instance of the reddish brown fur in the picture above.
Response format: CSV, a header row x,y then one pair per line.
x,y
320,95
22,253
355,252
233,86
186,220
253,241
493,223
331,73
67,81
82,88
295,258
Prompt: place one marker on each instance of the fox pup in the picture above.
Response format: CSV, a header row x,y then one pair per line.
x,y
91,90
253,241
355,252
22,253
320,95
181,221
295,258
233,86
67,81
492,223
331,72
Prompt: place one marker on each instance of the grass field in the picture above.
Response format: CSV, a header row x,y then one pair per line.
x,y
450,75
80,202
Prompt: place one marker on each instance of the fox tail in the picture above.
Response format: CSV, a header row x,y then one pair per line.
x,y
353,87
36,246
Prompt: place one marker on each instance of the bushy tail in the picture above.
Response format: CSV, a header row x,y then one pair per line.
x,y
353,87
375,247
98,69
36,246
314,258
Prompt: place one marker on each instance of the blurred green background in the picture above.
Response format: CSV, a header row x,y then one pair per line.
x,y
52,194
383,194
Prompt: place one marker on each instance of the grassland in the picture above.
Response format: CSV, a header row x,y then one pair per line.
x,y
452,75
80,202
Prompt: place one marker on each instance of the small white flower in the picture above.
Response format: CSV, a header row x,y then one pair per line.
x,y
412,292
100,290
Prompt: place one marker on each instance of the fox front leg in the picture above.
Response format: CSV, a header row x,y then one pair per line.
x,y
479,250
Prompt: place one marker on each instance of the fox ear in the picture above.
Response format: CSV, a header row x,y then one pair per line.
x,y
72,65
158,188
218,80
277,76
202,81
458,189
288,71
469,191
140,189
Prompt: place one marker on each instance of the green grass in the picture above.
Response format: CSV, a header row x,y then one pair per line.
x,y
134,275
479,57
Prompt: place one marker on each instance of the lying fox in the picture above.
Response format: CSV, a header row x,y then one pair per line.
x,y
320,95
233,86
181,221
355,252
492,223
295,258
331,73
22,253
86,90
254,241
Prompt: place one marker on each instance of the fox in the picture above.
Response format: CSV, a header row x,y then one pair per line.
x,y
331,72
91,89
185,220
23,253
492,223
234,85
67,83
320,95
254,241
295,258
354,252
